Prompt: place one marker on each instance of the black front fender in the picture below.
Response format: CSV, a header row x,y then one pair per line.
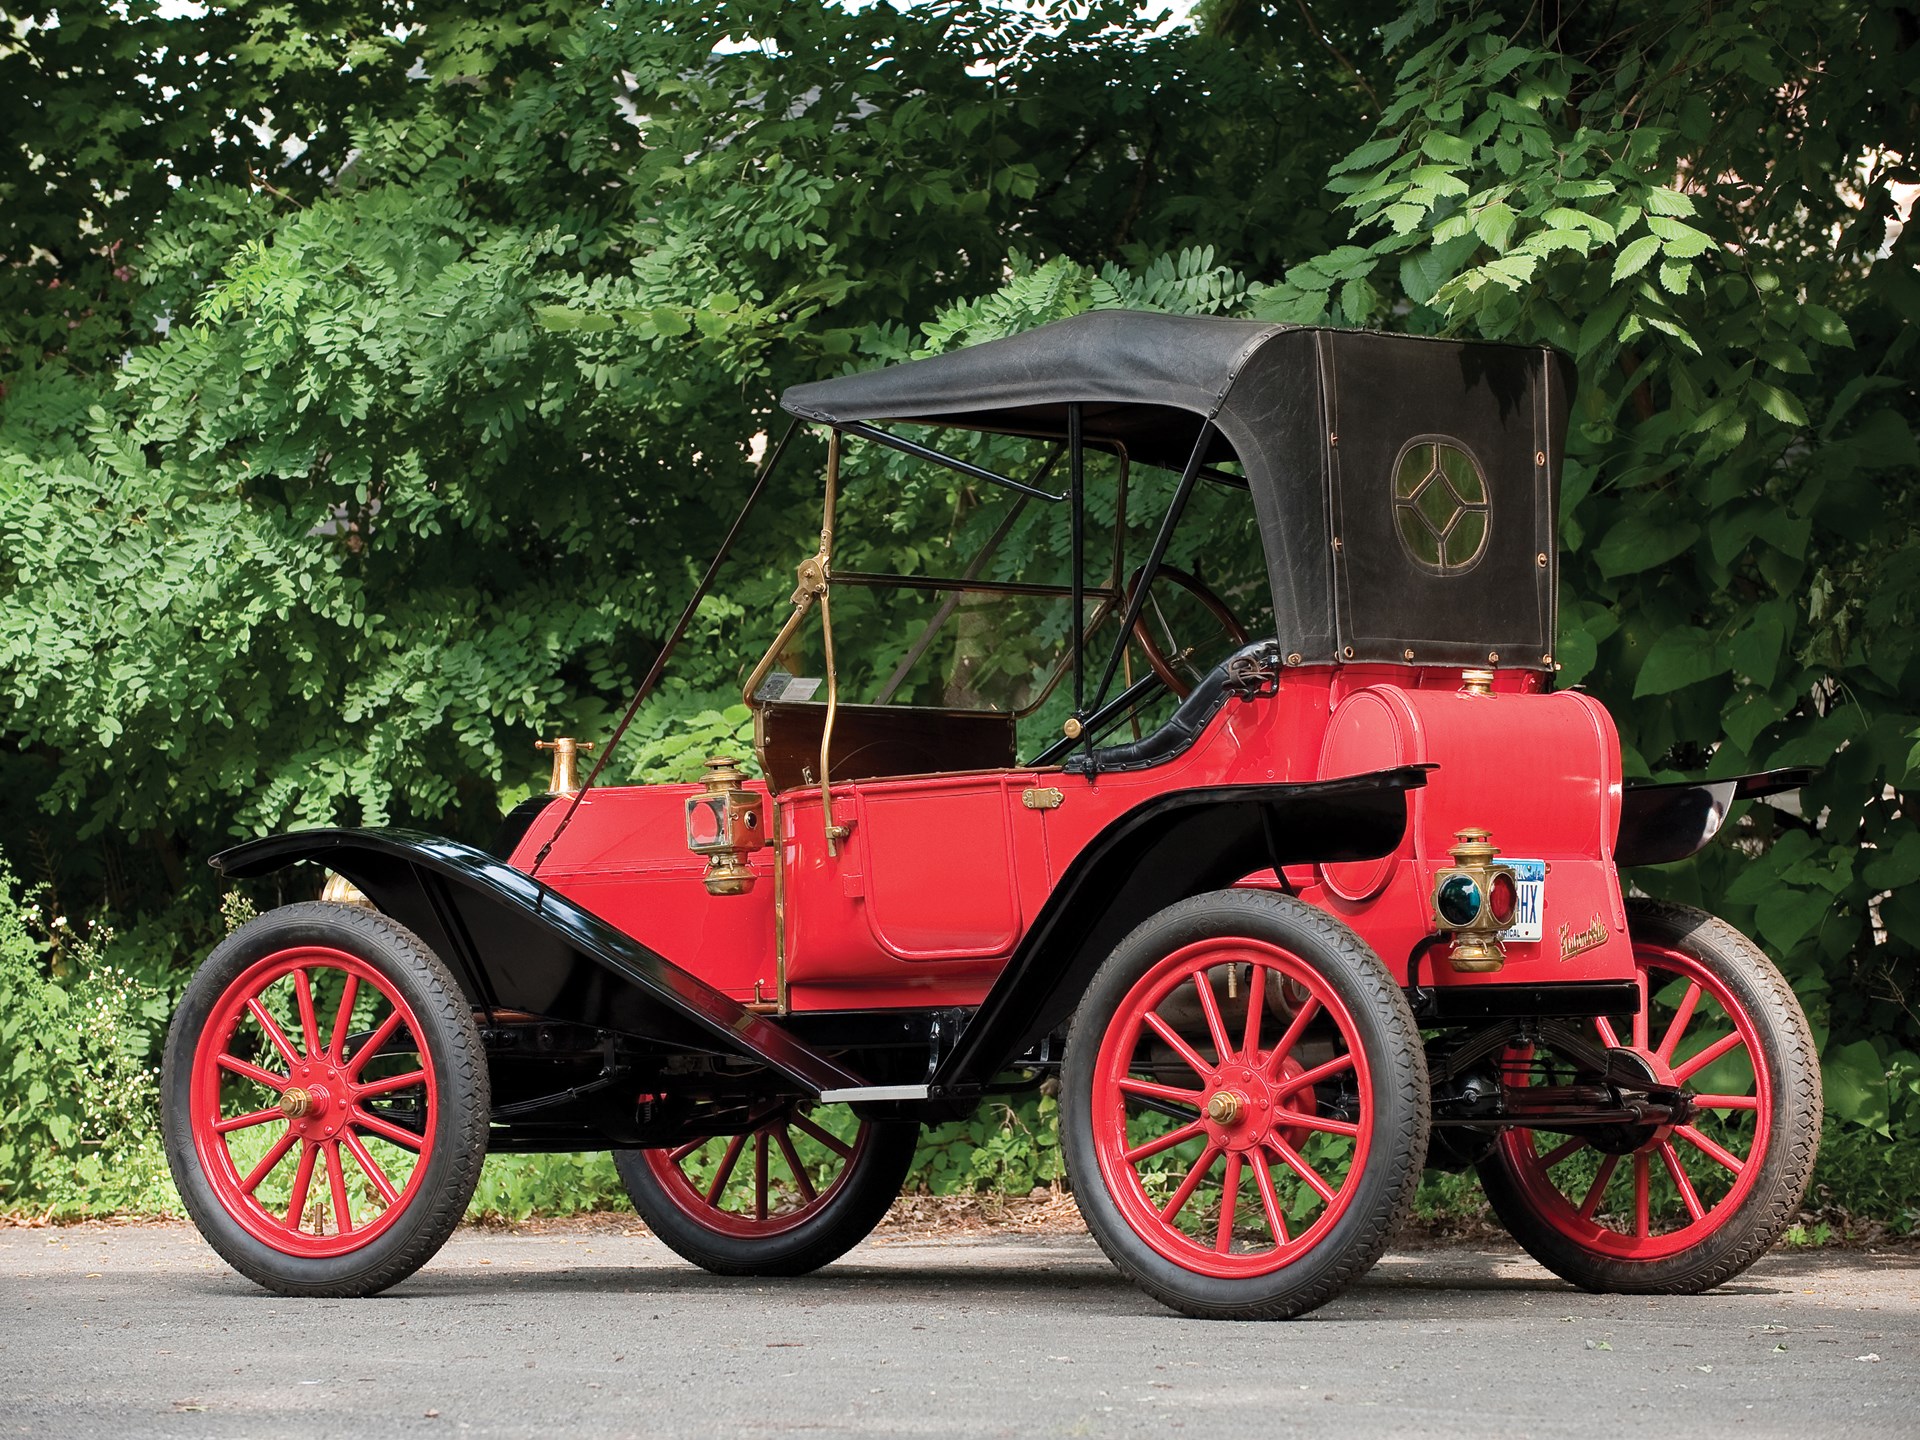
x,y
516,944
1159,852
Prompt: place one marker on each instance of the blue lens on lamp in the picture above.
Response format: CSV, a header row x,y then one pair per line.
x,y
1458,900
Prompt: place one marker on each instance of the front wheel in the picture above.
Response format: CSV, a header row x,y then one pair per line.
x,y
797,1188
1244,1106
1677,1208
324,1101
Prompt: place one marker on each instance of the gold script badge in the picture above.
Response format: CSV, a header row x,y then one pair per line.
x,y
1572,944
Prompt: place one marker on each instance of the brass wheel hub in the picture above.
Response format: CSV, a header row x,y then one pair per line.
x,y
295,1102
1224,1107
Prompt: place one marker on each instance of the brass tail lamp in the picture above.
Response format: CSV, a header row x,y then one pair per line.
x,y
1474,901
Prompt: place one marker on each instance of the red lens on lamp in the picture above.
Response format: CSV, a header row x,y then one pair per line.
x,y
1503,900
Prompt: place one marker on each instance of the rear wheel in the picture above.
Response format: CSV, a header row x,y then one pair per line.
x,y
798,1189
325,1101
1244,1106
1677,1209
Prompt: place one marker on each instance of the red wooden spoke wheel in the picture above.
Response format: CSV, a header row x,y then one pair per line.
x,y
325,1100
797,1188
266,1101
1245,1106
1682,1206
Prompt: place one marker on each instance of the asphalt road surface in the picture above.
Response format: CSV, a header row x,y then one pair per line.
x,y
143,1331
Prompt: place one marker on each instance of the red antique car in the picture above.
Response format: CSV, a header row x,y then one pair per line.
x,y
1279,927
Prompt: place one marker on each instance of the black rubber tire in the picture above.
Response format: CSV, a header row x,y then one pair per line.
x,y
858,1203
1401,1105
1794,1142
460,1076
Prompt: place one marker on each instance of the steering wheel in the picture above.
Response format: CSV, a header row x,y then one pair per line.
x,y
1172,658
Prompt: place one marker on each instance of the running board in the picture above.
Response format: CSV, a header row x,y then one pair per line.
x,y
875,1092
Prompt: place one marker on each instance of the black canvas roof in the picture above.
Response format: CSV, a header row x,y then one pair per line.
x,y
1144,380
1333,429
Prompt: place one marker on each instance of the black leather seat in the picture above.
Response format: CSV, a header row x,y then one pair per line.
x,y
1183,727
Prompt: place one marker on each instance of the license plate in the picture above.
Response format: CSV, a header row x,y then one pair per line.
x,y
1530,877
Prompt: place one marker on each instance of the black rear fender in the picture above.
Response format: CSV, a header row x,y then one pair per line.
x,y
1660,823
515,944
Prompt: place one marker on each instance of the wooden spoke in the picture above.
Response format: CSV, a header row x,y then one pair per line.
x,y
1681,1017
1726,1102
1229,1199
337,1186
1210,1007
267,1161
1173,1094
370,1167
1642,1205
385,1129
381,1034
1560,1152
1269,1199
1599,1186
1284,1119
393,1082
247,1121
302,1183
1314,1076
725,1170
343,1018
1300,1167
247,1070
1191,1183
1256,1002
807,1127
1179,1047
800,1176
309,1023
1711,1148
265,1022
1291,1037
1150,1148
1688,1195
1694,1064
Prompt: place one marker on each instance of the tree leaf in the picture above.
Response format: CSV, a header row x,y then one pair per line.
x,y
1777,402
1634,258
1662,201
1682,656
1639,543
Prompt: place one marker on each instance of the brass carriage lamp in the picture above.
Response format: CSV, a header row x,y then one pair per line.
x,y
1475,900
724,825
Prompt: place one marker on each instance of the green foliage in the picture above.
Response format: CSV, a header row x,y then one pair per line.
x,y
1742,576
1011,1146
514,1187
372,383
79,1132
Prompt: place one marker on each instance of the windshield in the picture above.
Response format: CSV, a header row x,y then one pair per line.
x,y
953,593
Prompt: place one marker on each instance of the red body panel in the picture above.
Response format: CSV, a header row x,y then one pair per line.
x,y
940,876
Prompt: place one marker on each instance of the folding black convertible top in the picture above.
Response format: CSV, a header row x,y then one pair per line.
x,y
1405,487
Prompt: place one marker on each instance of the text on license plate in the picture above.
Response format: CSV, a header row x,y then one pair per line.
x,y
1531,879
